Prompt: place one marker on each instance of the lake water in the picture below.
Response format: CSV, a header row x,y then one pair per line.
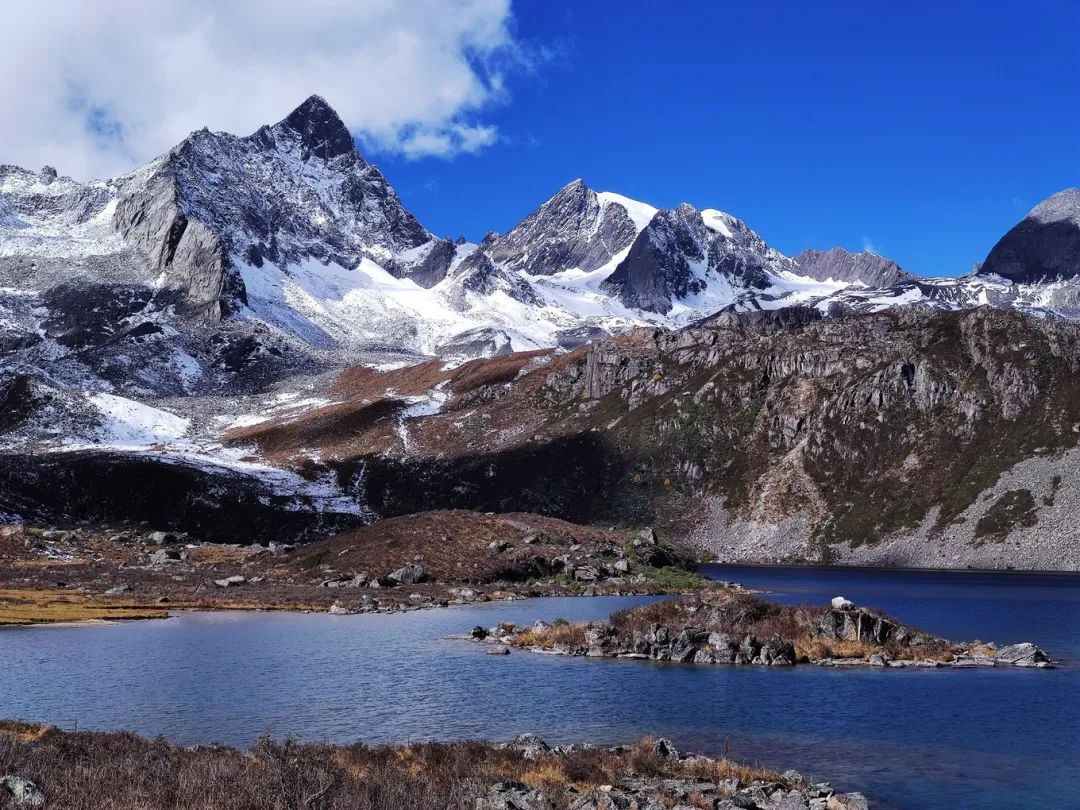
x,y
907,738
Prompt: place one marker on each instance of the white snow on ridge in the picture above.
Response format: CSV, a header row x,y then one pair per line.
x,y
717,221
640,213
127,423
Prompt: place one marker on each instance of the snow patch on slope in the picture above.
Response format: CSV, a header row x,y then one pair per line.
x,y
127,423
640,213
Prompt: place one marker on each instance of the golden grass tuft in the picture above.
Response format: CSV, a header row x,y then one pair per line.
x,y
571,635
50,606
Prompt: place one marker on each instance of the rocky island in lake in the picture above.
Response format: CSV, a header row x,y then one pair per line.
x,y
731,626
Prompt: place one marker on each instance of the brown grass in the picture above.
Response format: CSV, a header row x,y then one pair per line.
x,y
737,613
50,606
84,770
570,635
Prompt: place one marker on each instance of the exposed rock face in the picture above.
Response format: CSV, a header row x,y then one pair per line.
x,y
187,253
290,192
842,265
859,624
1045,246
683,251
576,228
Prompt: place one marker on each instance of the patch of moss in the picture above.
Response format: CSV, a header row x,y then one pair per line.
x,y
675,579
1014,509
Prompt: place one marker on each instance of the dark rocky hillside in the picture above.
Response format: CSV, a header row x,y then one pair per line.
x,y
913,436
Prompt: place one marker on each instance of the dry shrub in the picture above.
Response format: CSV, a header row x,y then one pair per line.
x,y
570,635
108,771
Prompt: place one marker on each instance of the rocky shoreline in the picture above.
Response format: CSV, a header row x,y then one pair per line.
x,y
416,562
45,767
732,626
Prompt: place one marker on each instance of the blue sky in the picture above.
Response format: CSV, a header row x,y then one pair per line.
x,y
924,130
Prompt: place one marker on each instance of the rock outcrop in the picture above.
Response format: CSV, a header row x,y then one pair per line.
x,y
729,626
838,264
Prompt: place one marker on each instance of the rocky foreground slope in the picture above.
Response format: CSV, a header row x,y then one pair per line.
x,y
41,766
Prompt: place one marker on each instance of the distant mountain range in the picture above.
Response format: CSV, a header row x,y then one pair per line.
x,y
229,282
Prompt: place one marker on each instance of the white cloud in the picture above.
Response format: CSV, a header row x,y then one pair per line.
x,y
870,247
97,88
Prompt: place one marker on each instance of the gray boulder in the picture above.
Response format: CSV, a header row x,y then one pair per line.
x,y
163,538
163,556
665,749
777,652
530,746
1024,654
848,801
230,582
409,574
513,796
22,792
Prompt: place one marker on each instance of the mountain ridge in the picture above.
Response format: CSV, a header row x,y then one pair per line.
x,y
258,326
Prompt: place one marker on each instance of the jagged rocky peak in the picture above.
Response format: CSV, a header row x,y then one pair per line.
x,y
321,131
838,264
295,191
1044,246
577,228
684,252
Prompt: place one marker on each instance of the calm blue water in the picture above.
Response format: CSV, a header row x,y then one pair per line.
x,y
910,738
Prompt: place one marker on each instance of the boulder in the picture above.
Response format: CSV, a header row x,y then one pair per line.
x,y
686,644
646,537
230,582
163,538
118,589
163,556
587,573
748,650
777,652
499,651
513,796
655,556
479,633
1024,654
848,801
22,792
530,746
409,574
665,749
338,609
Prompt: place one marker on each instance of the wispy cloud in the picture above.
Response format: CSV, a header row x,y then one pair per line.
x,y
97,88
868,246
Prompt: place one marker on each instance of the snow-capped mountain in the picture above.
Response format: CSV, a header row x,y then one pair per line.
x,y
232,263
147,318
